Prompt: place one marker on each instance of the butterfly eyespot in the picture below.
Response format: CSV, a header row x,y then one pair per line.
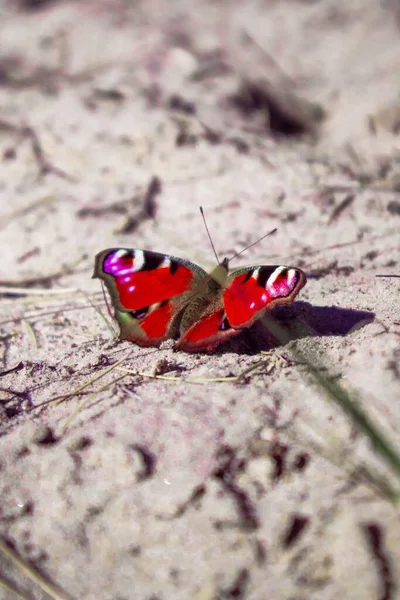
x,y
140,313
224,325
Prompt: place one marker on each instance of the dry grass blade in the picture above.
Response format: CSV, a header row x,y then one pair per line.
x,y
42,279
349,403
61,398
108,324
11,588
18,367
22,291
377,482
90,381
5,219
252,368
176,379
78,390
52,297
267,86
82,405
345,203
39,315
354,472
198,380
33,575
380,443
32,334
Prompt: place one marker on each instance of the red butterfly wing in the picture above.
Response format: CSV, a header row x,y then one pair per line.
x,y
144,286
143,278
247,294
252,290
207,333
146,327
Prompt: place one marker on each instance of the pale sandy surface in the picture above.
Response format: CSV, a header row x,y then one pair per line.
x,y
160,489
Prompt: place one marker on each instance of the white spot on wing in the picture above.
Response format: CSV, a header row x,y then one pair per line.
x,y
292,278
273,277
270,286
118,255
138,260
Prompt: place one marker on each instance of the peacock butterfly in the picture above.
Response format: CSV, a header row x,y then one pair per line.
x,y
158,297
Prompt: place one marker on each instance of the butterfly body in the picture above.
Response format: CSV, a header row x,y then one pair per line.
x,y
158,297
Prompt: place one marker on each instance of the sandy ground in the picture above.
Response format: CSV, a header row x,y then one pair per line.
x,y
164,489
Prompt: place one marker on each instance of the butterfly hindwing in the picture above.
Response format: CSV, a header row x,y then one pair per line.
x,y
250,291
210,330
148,290
147,327
139,278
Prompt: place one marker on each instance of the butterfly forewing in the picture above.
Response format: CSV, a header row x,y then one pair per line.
x,y
138,278
252,290
207,332
147,327
147,290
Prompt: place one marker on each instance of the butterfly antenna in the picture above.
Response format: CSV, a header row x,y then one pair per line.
x,y
208,233
253,244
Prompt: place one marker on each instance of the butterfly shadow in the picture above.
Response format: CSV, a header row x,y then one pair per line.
x,y
299,321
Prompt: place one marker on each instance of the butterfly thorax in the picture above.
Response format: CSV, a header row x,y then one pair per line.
x,y
220,273
205,297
